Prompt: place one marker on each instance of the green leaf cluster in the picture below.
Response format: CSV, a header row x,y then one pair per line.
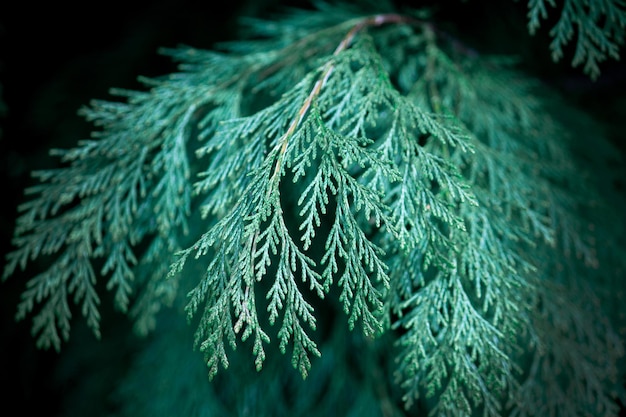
x,y
344,171
598,27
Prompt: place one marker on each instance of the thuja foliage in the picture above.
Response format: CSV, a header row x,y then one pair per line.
x,y
407,221
597,26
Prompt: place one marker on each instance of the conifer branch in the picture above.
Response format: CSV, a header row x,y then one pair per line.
x,y
370,164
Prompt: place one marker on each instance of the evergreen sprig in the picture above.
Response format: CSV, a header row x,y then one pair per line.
x,y
364,161
597,25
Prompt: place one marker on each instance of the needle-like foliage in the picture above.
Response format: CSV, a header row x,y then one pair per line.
x,y
597,26
350,172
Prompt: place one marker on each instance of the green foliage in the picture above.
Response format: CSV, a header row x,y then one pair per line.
x,y
342,172
597,25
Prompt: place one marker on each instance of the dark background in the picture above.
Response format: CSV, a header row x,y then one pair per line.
x,y
54,58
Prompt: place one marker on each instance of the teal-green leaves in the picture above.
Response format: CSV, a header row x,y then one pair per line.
x,y
357,169
596,26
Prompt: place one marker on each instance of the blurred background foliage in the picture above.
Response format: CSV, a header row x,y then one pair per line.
x,y
55,57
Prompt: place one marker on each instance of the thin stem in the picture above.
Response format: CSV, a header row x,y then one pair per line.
x,y
376,20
